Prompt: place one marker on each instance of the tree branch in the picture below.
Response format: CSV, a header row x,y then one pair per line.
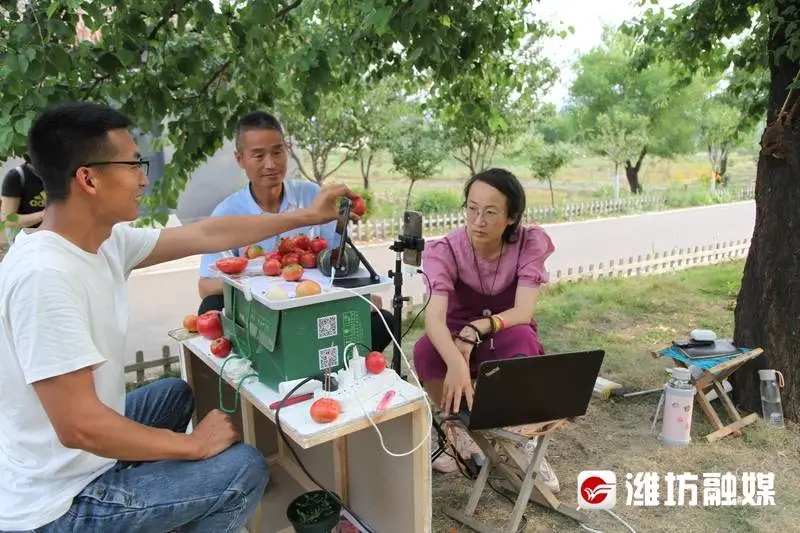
x,y
221,70
299,164
285,10
347,157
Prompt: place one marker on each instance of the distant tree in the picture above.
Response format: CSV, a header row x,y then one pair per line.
x,y
332,130
610,82
546,159
418,146
492,101
720,130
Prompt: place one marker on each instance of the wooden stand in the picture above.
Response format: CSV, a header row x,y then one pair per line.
x,y
712,379
521,474
392,494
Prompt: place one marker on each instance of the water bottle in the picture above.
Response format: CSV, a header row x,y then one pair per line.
x,y
771,385
676,424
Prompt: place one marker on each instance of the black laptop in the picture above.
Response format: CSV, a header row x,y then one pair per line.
x,y
527,390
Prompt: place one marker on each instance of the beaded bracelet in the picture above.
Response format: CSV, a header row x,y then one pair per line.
x,y
468,341
478,334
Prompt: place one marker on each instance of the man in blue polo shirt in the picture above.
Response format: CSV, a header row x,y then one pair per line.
x,y
262,153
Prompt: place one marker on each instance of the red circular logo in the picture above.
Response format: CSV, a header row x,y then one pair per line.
x,y
589,490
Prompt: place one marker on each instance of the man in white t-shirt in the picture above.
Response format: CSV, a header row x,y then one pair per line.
x,y
77,453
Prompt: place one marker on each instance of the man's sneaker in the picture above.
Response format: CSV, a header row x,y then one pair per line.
x,y
546,472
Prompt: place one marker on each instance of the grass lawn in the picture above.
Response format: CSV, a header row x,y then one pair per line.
x,y
628,318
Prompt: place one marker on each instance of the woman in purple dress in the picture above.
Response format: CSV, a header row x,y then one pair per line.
x,y
483,280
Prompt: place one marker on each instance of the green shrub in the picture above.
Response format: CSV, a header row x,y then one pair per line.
x,y
437,201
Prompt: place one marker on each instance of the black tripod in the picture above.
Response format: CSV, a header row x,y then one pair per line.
x,y
400,245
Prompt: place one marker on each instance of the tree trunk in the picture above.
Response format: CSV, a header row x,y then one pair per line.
x,y
552,196
632,173
723,167
365,168
768,307
408,195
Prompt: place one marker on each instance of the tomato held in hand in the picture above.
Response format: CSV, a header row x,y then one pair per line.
x,y
232,265
221,347
359,207
375,362
325,410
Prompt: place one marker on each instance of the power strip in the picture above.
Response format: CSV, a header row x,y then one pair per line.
x,y
362,388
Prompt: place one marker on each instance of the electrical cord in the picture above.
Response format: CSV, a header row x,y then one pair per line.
x,y
422,310
613,515
300,463
425,438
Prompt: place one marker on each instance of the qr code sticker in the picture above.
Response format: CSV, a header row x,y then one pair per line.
x,y
328,357
327,327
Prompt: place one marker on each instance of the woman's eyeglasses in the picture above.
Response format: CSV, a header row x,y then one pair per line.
x,y
489,215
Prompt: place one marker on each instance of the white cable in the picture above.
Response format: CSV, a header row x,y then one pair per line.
x,y
613,515
410,369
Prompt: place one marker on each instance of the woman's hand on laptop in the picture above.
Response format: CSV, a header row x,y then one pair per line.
x,y
457,383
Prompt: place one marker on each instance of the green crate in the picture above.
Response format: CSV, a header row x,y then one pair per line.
x,y
293,343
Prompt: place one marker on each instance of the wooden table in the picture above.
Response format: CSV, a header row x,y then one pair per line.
x,y
391,494
712,378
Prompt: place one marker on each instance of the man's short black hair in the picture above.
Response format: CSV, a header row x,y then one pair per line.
x,y
257,120
68,135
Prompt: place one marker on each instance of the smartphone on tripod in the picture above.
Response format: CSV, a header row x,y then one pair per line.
x,y
412,227
345,204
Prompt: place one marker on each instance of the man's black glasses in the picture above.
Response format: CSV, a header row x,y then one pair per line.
x,y
143,164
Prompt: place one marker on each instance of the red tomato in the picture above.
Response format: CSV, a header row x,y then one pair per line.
x,y
271,267
209,325
290,259
325,410
286,245
375,362
359,207
318,244
221,347
292,272
308,260
232,265
302,242
273,255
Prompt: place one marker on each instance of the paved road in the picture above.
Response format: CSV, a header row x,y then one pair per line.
x,y
161,296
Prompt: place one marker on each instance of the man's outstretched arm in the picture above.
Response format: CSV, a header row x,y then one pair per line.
x,y
216,234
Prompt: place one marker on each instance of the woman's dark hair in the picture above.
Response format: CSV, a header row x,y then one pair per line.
x,y
510,187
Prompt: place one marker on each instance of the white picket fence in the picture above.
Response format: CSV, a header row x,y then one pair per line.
x,y
658,263
439,224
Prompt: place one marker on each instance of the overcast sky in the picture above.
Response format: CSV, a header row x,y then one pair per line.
x,y
588,18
